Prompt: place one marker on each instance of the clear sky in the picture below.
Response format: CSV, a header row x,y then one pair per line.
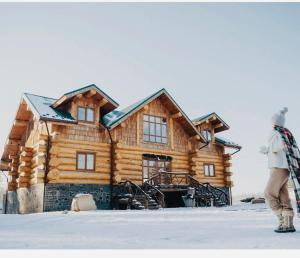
x,y
239,60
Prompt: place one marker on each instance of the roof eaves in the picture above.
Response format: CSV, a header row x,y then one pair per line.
x,y
148,100
209,115
31,105
228,144
186,117
134,109
72,93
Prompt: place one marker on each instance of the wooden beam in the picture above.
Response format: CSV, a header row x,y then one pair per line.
x,y
91,93
176,115
219,125
59,101
103,102
18,122
172,133
213,118
13,141
138,128
195,137
146,107
78,97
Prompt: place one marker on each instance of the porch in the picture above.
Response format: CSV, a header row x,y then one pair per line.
x,y
167,190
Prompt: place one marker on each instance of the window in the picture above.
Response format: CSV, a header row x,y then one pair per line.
x,y
152,166
155,129
85,161
86,114
206,134
209,169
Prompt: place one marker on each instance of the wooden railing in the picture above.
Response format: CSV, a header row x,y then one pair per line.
x,y
156,194
169,178
130,189
205,191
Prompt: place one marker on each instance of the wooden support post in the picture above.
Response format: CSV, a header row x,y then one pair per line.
x,y
172,133
138,129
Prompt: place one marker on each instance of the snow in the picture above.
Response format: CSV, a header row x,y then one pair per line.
x,y
237,226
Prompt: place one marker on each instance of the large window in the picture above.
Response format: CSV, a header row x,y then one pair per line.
x,y
155,129
85,114
85,161
152,166
209,169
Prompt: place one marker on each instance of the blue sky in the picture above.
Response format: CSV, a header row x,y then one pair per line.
x,y
239,60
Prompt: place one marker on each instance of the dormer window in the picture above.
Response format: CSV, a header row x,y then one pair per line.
x,y
86,114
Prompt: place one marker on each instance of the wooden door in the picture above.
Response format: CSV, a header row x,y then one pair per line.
x,y
151,166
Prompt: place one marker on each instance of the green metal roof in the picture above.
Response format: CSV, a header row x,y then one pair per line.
x,y
42,107
113,118
227,142
205,117
116,117
73,93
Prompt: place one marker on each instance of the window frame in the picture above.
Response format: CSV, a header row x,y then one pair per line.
x,y
85,160
208,165
155,135
85,114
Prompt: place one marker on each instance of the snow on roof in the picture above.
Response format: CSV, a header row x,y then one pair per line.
x,y
227,142
42,106
114,116
221,140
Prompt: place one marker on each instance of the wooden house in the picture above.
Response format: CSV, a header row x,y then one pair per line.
x,y
82,143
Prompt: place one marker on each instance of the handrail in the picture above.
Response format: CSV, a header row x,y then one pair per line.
x,y
138,187
162,202
207,187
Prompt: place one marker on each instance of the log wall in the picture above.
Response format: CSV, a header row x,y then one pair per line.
x,y
62,165
130,132
129,161
212,154
27,168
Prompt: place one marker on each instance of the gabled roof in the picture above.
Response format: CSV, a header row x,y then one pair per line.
x,y
116,117
109,106
41,106
227,142
218,120
222,141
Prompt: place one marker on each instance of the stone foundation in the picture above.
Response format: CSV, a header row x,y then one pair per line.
x,y
59,196
12,203
25,200
31,199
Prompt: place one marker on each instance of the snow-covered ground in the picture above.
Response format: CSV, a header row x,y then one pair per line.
x,y
238,226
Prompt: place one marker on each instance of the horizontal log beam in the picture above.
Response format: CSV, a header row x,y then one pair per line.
x,y
22,123
103,102
176,115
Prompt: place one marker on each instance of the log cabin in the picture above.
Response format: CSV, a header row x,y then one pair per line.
x,y
83,143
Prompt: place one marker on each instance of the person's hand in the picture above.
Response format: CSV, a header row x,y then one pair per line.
x,y
263,150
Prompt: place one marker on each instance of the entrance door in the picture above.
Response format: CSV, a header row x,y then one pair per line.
x,y
152,165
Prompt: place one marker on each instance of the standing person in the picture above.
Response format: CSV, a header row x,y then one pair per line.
x,y
283,160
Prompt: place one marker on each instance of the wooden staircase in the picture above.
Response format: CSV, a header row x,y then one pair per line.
x,y
150,195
